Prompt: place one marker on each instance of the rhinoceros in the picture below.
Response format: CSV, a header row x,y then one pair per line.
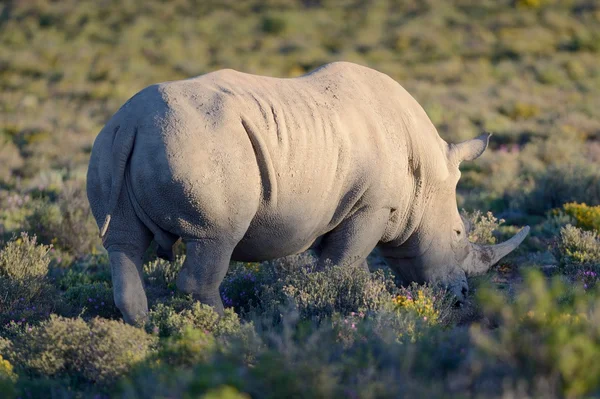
x,y
243,167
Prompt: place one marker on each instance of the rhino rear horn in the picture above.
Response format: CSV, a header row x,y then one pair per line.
x,y
468,150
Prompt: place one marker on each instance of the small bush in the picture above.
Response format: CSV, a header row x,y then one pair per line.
x,y
481,227
22,259
587,278
95,299
26,294
578,249
191,346
10,159
559,184
163,273
421,309
520,110
97,351
7,378
224,392
359,355
548,340
86,270
67,223
166,320
341,289
555,220
587,217
431,304
242,286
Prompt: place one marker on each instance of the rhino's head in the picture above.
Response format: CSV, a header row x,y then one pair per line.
x,y
438,251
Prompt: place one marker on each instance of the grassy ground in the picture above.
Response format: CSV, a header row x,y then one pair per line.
x,y
526,70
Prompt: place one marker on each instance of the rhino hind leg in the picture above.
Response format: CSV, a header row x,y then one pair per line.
x,y
126,253
205,266
126,241
128,287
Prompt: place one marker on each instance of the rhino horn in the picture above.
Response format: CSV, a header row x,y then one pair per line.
x,y
482,257
468,150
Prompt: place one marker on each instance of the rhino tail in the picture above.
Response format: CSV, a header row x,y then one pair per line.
x,y
121,151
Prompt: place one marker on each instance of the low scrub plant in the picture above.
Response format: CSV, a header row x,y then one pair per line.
x,y
163,273
8,378
358,355
85,270
559,184
433,305
547,340
98,351
244,283
342,289
173,319
67,222
586,217
190,347
481,226
578,250
92,299
23,258
26,293
421,309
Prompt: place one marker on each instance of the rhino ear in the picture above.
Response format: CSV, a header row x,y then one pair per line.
x,y
468,150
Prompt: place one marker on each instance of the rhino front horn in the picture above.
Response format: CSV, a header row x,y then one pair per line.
x,y
482,257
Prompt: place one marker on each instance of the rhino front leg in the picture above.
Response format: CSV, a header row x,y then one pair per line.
x,y
205,266
353,240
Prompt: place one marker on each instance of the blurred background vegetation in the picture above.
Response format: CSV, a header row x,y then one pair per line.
x,y
526,70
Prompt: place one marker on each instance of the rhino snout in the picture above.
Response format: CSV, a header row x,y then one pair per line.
x,y
460,290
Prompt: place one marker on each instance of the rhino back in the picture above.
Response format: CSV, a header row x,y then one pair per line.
x,y
287,159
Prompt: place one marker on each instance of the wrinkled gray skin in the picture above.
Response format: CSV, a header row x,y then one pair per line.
x,y
251,168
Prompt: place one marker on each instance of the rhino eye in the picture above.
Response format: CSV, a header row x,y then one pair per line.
x,y
458,232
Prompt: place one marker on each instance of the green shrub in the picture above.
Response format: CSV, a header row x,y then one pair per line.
x,y
547,339
85,270
23,259
520,110
242,286
481,227
273,24
25,303
559,184
318,294
67,223
168,320
191,346
97,351
10,159
555,220
578,249
27,295
586,217
7,379
224,392
163,273
431,304
300,359
72,278
94,299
